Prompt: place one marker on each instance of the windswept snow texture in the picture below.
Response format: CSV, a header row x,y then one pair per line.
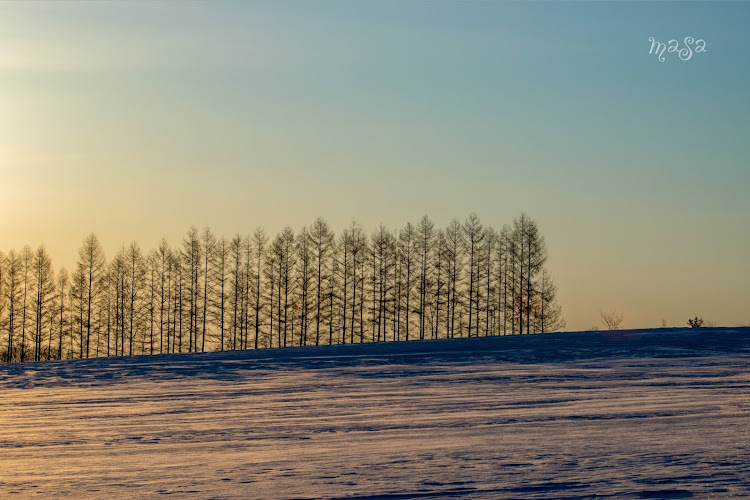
x,y
632,414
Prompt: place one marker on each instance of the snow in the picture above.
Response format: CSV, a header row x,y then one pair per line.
x,y
633,414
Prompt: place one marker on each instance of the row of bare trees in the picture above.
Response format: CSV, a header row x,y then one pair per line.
x,y
313,287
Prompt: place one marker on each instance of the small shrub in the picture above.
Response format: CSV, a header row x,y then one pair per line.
x,y
612,319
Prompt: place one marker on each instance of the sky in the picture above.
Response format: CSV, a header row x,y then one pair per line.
x,y
137,120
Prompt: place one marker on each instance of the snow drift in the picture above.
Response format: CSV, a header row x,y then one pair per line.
x,y
638,413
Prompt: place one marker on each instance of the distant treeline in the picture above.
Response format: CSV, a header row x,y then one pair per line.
x,y
313,287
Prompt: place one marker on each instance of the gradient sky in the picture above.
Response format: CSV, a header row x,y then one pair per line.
x,y
136,120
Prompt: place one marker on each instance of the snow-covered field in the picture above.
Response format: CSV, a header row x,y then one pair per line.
x,y
633,414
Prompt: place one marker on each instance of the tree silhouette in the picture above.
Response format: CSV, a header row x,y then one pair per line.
x,y
13,281
210,293
612,319
259,244
474,236
43,286
91,262
62,285
695,322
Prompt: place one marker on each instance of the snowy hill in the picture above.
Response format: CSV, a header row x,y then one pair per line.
x,y
639,413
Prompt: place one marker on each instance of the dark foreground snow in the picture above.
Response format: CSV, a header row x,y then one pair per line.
x,y
638,414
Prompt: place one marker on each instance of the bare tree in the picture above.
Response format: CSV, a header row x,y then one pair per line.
x,y
78,291
62,285
235,256
474,235
276,268
440,262
322,238
286,266
136,280
535,258
612,319
259,243
191,261
209,255
381,244
333,297
117,277
163,255
426,231
407,238
695,322
487,260
550,313
358,248
91,264
304,277
454,245
13,280
248,277
220,281
26,264
152,265
503,249
344,250
44,288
